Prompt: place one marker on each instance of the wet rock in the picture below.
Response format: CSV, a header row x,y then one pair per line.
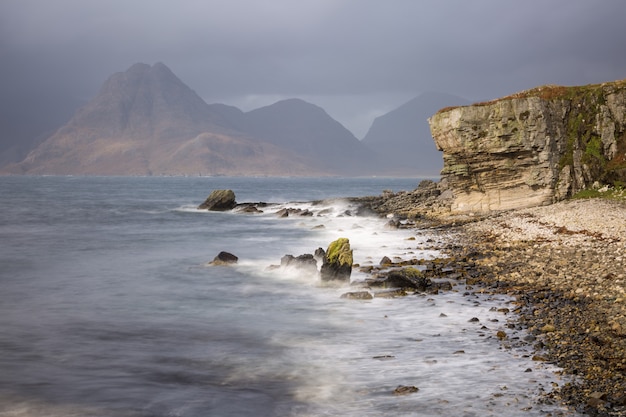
x,y
319,254
337,263
406,278
224,258
405,389
249,209
357,295
385,261
394,293
219,200
305,262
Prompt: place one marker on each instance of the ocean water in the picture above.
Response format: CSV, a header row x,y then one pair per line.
x,y
108,308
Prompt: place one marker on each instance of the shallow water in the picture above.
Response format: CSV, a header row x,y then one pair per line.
x,y
108,308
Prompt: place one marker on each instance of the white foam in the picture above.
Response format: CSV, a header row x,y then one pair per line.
x,y
376,345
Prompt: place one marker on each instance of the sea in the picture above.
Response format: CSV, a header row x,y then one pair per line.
x,y
109,306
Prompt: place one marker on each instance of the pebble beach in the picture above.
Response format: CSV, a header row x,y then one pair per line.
x,y
565,264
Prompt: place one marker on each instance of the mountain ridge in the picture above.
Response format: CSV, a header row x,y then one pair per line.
x,y
402,136
146,121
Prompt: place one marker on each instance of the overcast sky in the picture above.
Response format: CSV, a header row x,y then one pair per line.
x,y
356,58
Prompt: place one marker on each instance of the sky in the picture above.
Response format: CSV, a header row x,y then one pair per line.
x,y
357,59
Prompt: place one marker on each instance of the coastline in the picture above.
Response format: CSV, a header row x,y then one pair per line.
x,y
565,264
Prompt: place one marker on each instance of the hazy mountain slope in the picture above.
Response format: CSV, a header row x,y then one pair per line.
x,y
403,137
307,129
145,121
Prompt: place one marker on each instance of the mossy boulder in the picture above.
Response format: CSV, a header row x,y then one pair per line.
x,y
219,200
410,278
337,262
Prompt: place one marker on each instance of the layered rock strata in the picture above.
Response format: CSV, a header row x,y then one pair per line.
x,y
532,148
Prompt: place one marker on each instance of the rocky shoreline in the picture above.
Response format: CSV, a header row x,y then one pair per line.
x,y
565,264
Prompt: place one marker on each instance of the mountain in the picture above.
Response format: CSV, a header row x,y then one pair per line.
x,y
402,136
146,121
308,130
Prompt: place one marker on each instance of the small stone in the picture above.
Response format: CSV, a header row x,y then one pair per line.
x,y
501,335
474,320
357,295
548,328
404,390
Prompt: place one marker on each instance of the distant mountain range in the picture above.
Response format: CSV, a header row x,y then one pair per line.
x,y
146,121
402,136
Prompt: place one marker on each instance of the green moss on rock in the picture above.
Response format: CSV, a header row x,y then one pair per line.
x,y
337,264
339,252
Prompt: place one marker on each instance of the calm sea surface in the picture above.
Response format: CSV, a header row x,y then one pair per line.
x,y
107,308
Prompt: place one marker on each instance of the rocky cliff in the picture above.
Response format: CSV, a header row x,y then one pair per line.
x,y
534,147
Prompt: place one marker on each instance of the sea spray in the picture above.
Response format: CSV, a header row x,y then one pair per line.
x,y
107,308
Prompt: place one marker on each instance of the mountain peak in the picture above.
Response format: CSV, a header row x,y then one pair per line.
x,y
147,100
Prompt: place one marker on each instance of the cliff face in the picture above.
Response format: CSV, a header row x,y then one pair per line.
x,y
533,148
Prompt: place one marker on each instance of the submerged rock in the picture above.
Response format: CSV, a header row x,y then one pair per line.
x,y
337,263
357,295
224,258
405,389
219,200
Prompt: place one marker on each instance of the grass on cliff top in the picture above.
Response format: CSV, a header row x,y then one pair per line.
x,y
549,92
610,193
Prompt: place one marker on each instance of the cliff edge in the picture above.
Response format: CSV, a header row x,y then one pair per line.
x,y
533,148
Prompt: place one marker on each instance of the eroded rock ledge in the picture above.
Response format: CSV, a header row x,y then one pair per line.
x,y
533,148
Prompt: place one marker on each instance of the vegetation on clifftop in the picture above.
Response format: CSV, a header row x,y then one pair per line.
x,y
550,92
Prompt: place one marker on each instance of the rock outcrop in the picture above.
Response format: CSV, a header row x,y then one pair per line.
x,y
337,262
532,148
224,258
219,200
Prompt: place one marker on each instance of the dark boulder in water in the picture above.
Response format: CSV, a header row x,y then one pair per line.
x,y
219,200
224,258
319,254
409,278
305,262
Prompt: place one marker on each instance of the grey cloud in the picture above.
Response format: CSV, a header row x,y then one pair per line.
x,y
325,49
